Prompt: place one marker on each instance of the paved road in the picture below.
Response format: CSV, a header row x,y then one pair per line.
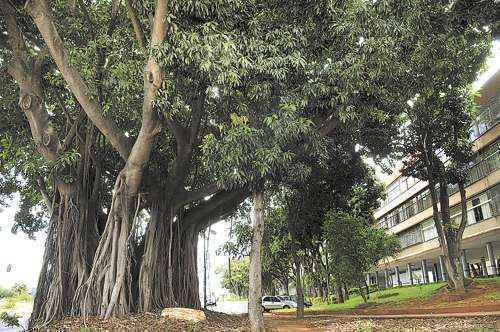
x,y
231,307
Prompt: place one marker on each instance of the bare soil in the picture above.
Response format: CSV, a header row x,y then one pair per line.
x,y
152,322
359,324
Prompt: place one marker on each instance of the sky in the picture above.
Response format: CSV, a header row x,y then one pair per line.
x,y
25,255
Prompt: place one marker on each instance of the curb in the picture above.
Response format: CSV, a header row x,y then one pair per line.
x,y
405,316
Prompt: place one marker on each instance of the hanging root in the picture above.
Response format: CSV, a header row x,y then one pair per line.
x,y
108,288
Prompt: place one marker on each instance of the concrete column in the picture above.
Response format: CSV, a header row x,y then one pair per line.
x,y
435,277
425,276
491,258
465,265
386,275
377,281
444,276
368,279
410,273
484,267
398,277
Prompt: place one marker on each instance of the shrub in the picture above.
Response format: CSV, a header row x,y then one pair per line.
x,y
4,292
10,320
20,288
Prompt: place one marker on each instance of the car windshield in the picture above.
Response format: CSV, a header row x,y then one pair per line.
x,y
284,298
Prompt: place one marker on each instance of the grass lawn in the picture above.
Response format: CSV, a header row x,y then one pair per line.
x,y
234,298
488,280
392,295
11,303
397,295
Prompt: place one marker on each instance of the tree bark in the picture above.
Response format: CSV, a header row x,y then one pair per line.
x,y
297,271
72,233
338,291
449,236
298,287
255,313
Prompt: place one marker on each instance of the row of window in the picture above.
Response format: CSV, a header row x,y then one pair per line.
x,y
487,118
487,161
479,208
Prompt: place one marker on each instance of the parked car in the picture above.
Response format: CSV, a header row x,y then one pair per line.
x,y
274,302
288,300
307,303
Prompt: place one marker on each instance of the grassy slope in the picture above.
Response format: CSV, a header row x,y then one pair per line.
x,y
392,295
397,295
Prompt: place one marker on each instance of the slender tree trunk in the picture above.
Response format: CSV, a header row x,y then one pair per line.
x,y
255,313
346,291
298,287
205,258
338,291
327,273
448,234
361,288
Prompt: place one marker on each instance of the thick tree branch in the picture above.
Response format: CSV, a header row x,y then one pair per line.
x,y
45,194
153,77
136,24
196,115
329,126
15,37
41,14
178,130
208,212
27,73
196,195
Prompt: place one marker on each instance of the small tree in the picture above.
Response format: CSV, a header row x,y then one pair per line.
x,y
354,246
235,279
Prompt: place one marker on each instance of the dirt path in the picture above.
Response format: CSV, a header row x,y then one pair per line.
x,y
325,323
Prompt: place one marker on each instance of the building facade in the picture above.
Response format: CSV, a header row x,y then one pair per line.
x,y
407,211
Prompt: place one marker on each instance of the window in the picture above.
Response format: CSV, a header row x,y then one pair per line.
x,y
478,211
410,237
423,200
429,230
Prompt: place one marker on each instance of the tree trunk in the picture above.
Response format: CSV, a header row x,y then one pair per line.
x,y
327,273
255,313
67,257
449,236
339,293
346,291
361,288
298,287
155,277
186,274
109,287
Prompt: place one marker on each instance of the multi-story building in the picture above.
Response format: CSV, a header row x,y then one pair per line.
x,y
407,211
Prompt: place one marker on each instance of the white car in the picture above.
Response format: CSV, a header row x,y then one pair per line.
x,y
276,302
